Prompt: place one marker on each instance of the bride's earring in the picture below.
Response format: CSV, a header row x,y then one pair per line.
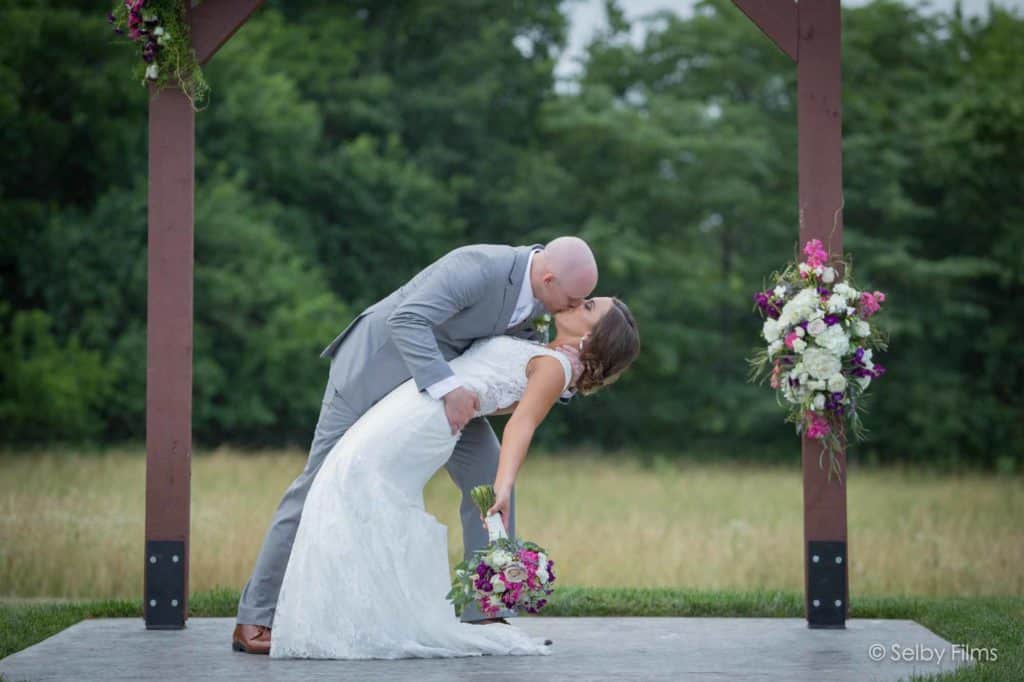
x,y
581,344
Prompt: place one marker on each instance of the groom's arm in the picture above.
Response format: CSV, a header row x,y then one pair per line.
x,y
457,281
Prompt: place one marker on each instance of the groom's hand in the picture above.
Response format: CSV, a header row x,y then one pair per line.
x,y
460,405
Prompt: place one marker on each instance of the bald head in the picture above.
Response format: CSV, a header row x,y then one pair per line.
x,y
572,262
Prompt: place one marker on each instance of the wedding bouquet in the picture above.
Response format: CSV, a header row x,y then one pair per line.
x,y
507,573
820,345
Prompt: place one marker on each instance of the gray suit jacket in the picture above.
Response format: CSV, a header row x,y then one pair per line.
x,y
467,294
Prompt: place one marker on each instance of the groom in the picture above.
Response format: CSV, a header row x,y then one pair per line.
x,y
474,291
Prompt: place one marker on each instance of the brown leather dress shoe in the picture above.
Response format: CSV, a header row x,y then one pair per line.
x,y
252,639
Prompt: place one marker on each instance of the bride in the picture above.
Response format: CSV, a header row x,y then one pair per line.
x,y
368,572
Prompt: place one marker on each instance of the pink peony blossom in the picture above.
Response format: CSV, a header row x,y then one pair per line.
x,y
870,303
790,338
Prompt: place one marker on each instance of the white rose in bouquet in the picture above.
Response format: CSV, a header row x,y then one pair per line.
x,y
770,330
818,402
498,558
837,383
829,275
780,291
799,345
799,331
821,364
774,347
846,291
861,328
815,327
497,584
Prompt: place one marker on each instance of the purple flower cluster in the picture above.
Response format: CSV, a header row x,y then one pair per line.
x,y
139,28
860,369
484,574
834,402
769,306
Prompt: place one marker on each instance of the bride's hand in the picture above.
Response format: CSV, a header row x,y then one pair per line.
x,y
502,500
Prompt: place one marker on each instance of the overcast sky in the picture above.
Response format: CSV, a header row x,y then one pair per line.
x,y
587,16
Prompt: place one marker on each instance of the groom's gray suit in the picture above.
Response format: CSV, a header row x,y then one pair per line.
x,y
467,294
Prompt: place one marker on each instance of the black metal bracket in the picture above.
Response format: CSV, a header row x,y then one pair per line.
x,y
826,584
165,585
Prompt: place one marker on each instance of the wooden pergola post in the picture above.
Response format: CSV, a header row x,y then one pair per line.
x,y
169,324
809,32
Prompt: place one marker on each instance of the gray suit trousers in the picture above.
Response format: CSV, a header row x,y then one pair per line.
x,y
474,462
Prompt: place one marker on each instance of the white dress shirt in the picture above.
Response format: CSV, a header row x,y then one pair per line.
x,y
524,305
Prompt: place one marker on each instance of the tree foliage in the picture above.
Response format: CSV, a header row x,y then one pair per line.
x,y
346,145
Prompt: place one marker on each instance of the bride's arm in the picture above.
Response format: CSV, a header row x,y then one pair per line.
x,y
545,378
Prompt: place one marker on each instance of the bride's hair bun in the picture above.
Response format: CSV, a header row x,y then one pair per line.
x,y
609,349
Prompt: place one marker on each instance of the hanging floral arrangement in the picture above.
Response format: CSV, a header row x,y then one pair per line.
x,y
159,29
820,338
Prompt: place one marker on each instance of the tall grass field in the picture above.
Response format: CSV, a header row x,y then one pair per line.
x,y
71,526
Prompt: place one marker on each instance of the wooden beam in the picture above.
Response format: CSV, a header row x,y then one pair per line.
x,y
777,19
213,22
819,120
169,356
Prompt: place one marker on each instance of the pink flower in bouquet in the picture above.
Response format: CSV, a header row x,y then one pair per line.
x,y
774,381
870,303
816,253
817,426
790,338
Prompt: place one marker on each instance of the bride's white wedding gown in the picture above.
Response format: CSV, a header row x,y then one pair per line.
x,y
368,571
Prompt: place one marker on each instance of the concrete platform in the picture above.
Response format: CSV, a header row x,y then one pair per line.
x,y
584,648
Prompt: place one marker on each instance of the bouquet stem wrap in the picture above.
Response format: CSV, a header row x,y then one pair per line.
x,y
495,528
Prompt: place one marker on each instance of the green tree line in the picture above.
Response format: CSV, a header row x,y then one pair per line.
x,y
347,145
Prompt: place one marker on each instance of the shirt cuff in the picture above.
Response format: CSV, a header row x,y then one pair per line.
x,y
443,387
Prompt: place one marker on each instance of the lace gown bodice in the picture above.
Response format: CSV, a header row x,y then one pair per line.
x,y
495,369
368,571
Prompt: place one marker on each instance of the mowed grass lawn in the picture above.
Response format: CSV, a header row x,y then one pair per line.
x,y
72,526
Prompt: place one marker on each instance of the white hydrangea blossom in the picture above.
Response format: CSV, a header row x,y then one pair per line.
x,y
821,364
835,304
834,340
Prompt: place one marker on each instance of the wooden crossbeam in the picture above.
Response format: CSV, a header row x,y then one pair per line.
x,y
213,22
777,19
